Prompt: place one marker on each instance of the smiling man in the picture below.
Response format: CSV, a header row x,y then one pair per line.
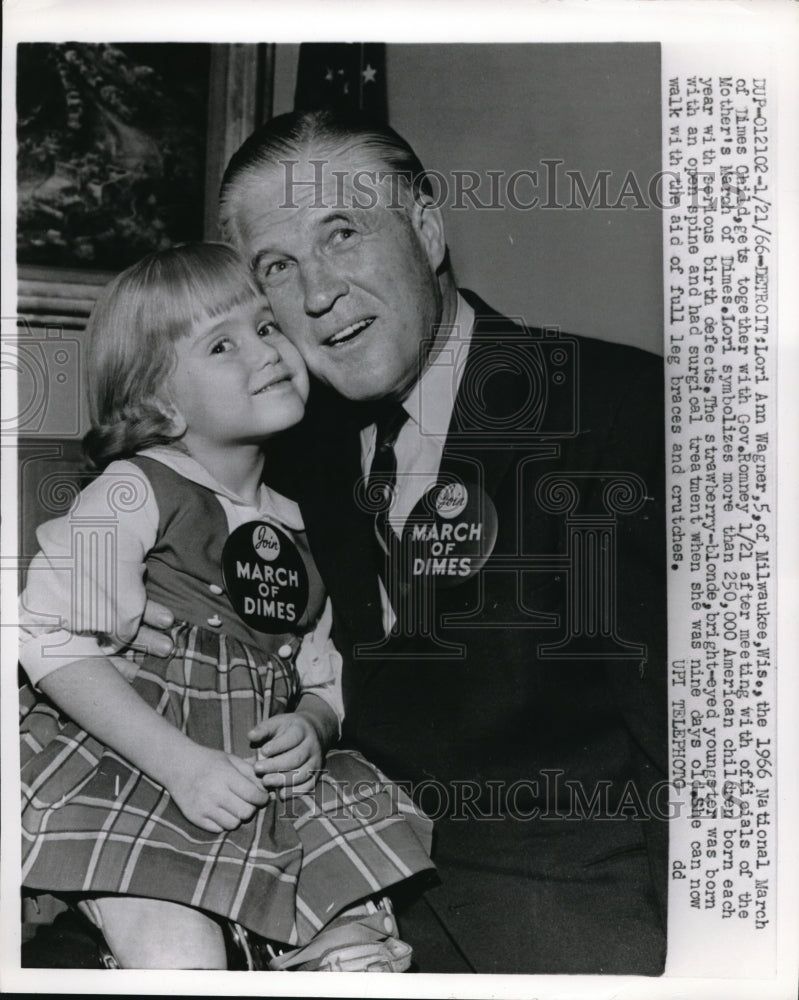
x,y
507,658
347,268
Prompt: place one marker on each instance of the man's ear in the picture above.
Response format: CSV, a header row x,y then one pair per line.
x,y
428,222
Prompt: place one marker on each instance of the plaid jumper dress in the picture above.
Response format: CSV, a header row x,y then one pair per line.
x,y
94,824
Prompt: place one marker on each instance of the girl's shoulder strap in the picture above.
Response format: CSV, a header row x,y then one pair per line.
x,y
174,493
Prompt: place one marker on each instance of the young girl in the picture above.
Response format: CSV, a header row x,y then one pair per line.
x,y
178,798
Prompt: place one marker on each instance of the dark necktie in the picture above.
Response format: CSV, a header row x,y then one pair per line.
x,y
383,483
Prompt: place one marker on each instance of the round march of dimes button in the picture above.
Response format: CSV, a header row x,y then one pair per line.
x,y
449,535
265,577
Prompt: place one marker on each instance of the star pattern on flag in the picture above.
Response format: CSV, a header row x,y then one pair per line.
x,y
342,75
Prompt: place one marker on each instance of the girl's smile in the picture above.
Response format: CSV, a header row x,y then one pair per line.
x,y
237,379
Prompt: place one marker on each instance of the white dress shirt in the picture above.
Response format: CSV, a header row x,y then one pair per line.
x,y
420,443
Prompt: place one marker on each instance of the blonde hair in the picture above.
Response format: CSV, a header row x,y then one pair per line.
x,y
132,330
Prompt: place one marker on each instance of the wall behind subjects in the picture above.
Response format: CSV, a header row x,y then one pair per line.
x,y
595,107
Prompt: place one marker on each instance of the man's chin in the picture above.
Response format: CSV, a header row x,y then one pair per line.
x,y
362,388
362,385
360,395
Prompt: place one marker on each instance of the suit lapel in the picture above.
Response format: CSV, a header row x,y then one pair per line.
x,y
479,428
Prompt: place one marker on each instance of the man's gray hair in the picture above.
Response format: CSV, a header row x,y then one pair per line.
x,y
284,138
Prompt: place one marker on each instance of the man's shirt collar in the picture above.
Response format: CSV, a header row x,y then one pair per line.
x,y
431,400
271,505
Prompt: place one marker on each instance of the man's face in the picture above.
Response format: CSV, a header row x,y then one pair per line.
x,y
352,285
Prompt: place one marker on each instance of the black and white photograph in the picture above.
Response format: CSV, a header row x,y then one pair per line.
x,y
390,441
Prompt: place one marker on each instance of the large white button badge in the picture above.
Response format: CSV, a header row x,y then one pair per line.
x,y
265,577
450,534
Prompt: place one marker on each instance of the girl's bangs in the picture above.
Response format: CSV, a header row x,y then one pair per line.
x,y
200,281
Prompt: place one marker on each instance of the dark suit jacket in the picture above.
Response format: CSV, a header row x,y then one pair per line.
x,y
538,740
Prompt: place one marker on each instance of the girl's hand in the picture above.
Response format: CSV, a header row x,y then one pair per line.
x,y
290,755
214,790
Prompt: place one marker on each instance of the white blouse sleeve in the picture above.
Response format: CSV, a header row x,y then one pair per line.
x,y
319,664
86,585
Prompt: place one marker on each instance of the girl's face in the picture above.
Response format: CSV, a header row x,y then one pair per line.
x,y
237,380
